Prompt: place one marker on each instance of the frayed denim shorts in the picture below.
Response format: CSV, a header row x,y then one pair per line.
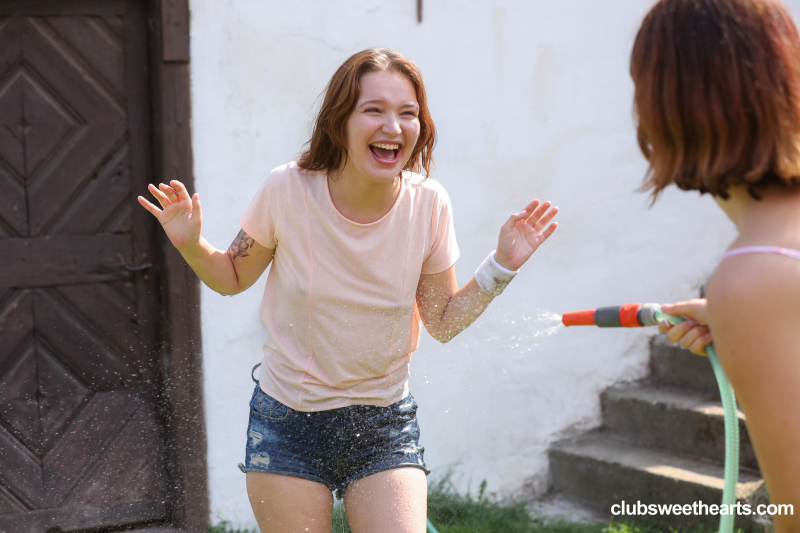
x,y
333,447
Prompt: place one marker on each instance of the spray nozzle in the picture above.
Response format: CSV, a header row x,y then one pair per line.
x,y
621,316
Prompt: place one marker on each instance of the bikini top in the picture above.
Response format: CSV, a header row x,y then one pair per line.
x,y
788,252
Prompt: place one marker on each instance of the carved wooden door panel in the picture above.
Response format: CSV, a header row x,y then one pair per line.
x,y
81,435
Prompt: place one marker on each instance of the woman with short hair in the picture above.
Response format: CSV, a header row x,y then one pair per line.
x,y
362,249
718,105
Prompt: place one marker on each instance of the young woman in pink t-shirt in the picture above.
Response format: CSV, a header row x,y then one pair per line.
x,y
362,249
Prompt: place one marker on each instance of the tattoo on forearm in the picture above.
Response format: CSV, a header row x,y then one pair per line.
x,y
241,244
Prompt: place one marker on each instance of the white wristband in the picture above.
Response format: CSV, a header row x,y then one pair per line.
x,y
493,278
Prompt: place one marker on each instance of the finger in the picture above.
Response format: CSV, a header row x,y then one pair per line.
x,y
679,330
150,207
692,335
170,192
537,214
530,207
699,346
197,213
691,308
545,220
160,196
522,215
183,194
549,231
664,326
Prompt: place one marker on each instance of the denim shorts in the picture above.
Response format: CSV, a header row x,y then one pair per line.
x,y
333,447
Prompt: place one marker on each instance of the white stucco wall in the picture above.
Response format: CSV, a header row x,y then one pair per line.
x,y
532,99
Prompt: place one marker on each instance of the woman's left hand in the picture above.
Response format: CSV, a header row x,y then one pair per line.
x,y
523,233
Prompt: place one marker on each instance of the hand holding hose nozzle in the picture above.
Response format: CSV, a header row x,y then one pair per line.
x,y
640,315
688,318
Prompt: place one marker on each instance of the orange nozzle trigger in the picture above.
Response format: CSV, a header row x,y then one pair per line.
x,y
579,318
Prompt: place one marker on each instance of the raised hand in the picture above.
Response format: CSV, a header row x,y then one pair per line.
x,y
180,217
523,233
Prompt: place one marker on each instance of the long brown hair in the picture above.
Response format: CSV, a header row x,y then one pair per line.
x,y
718,95
327,149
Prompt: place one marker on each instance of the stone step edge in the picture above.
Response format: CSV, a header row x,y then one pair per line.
x,y
693,410
671,397
600,448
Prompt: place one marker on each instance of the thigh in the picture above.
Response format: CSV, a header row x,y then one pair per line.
x,y
286,504
392,501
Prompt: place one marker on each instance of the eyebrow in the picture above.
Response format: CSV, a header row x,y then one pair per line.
x,y
382,101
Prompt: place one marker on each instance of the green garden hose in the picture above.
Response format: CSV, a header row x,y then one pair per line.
x,y
731,428
638,315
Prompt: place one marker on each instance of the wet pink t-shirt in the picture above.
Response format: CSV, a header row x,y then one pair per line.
x,y
339,305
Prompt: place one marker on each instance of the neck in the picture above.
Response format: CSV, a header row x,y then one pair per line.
x,y
361,199
774,220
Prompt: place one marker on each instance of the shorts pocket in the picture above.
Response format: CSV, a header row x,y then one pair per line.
x,y
267,407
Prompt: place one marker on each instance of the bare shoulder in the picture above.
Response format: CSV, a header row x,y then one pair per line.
x,y
751,285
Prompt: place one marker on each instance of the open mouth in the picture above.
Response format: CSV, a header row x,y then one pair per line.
x,y
385,153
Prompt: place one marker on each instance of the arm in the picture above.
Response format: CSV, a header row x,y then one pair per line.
x,y
228,272
445,309
754,311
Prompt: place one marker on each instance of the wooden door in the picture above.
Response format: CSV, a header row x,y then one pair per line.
x,y
82,440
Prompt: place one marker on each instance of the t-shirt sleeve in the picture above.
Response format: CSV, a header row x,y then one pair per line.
x,y
262,216
444,250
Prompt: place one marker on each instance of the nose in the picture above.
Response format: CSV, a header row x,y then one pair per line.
x,y
391,125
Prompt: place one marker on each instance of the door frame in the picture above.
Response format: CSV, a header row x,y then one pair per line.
x,y
180,298
171,142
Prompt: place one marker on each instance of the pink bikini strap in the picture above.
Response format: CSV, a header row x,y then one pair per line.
x,y
763,250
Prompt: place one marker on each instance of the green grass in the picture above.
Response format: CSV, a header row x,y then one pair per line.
x,y
452,512
225,527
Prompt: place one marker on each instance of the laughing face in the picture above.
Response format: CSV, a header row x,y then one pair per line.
x,y
383,128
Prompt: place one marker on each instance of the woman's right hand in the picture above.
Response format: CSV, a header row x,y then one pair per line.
x,y
181,216
693,333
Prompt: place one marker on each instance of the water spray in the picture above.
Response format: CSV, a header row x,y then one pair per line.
x,y
641,315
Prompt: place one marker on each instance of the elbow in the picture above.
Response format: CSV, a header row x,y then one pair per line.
x,y
443,336
230,291
440,329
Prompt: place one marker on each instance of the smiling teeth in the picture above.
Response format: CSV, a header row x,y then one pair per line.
x,y
386,146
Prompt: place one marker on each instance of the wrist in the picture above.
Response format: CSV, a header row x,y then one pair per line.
x,y
492,277
503,261
189,250
502,264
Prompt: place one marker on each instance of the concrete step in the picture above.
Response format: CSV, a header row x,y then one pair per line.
x,y
600,471
684,422
673,366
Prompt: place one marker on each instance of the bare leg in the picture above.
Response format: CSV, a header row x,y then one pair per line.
x,y
394,501
286,504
